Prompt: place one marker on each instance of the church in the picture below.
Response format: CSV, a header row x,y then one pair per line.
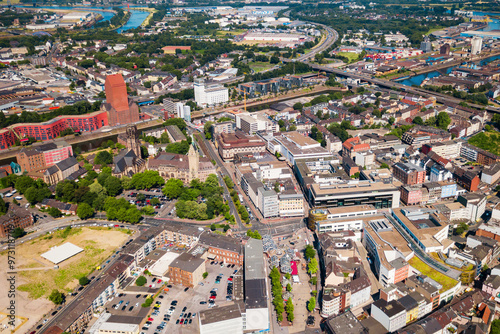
x,y
128,162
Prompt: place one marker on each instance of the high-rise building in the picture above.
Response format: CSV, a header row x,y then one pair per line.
x,y
121,110
209,94
476,45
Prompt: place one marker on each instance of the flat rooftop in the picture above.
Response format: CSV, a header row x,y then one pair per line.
x,y
351,188
60,253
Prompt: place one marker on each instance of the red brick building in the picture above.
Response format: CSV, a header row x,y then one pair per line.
x,y
43,156
120,109
408,173
52,129
223,249
15,217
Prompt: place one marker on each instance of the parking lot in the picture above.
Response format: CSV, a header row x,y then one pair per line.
x,y
188,301
153,197
128,304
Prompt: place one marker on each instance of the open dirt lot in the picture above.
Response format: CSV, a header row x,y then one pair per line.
x,y
33,284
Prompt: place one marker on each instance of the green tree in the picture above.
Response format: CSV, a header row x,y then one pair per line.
x,y
298,106
140,281
289,287
173,188
113,186
56,297
83,280
103,157
205,275
443,120
384,165
392,120
312,266
418,120
309,252
55,212
84,211
495,327
23,183
289,310
311,304
3,207
18,232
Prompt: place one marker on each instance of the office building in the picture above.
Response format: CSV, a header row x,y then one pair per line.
x,y
388,250
378,194
427,227
120,109
268,203
251,123
293,145
209,94
230,144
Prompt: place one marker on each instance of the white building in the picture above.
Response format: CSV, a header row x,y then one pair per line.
x,y
391,315
225,319
292,145
251,123
476,45
209,94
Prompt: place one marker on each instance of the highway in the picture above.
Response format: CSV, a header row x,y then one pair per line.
x,y
441,98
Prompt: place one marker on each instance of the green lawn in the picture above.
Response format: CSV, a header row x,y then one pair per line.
x,y
259,66
432,30
442,279
489,141
352,56
232,32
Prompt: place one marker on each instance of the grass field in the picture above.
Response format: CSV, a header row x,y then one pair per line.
x,y
442,279
259,66
432,30
352,56
489,141
98,245
230,33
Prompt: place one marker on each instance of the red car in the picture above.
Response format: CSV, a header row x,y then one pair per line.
x,y
151,319
182,321
159,281
229,279
212,297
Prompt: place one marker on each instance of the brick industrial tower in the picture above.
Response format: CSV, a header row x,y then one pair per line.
x,y
121,110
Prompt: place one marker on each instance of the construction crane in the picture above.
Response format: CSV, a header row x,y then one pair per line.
x,y
244,97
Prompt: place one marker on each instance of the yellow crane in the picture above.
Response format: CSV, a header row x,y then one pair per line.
x,y
244,97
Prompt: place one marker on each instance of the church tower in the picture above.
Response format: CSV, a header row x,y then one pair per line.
x,y
194,163
132,141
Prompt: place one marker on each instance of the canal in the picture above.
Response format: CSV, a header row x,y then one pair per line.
x,y
136,17
418,79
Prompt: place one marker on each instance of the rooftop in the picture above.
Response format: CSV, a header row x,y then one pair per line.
x,y
187,262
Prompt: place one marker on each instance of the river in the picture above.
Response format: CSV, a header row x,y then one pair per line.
x,y
136,18
418,79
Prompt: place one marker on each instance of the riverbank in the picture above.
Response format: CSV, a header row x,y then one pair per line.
x,y
150,16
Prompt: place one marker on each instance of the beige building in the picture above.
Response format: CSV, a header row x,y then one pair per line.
x,y
291,205
182,167
187,270
61,170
